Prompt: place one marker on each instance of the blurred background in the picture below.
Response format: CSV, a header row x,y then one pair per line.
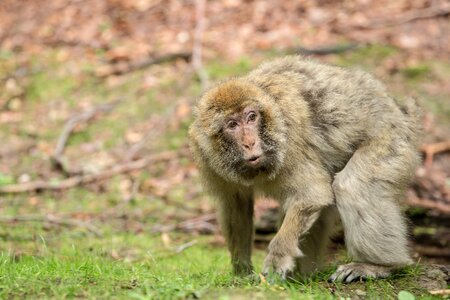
x,y
96,97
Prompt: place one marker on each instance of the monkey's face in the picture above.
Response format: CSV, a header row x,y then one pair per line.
x,y
239,132
243,129
241,136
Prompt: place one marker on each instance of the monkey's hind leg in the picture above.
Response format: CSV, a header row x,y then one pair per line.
x,y
366,192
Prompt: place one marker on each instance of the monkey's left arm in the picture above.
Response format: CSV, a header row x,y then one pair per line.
x,y
301,211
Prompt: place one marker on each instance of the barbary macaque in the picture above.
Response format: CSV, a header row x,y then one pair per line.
x,y
326,143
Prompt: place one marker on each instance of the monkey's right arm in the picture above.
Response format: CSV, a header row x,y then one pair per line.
x,y
235,216
301,211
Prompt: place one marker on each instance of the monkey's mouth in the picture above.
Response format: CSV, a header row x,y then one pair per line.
x,y
255,160
254,165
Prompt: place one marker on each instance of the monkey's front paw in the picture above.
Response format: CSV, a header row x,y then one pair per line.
x,y
359,271
282,265
281,259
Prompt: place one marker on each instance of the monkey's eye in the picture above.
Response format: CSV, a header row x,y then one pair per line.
x,y
232,125
251,117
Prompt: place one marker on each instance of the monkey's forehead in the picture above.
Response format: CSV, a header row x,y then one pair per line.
x,y
230,96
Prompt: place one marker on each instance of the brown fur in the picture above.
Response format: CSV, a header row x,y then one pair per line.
x,y
336,141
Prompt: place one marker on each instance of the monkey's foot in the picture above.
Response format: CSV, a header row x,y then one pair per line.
x,y
359,271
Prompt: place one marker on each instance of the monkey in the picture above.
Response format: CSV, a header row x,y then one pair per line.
x,y
329,144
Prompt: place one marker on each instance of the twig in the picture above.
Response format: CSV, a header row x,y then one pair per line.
x,y
440,292
134,189
426,13
183,247
200,6
137,147
432,251
161,122
57,157
88,178
431,149
188,224
332,49
429,204
53,220
134,66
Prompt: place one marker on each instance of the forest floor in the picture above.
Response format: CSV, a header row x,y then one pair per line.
x,y
151,233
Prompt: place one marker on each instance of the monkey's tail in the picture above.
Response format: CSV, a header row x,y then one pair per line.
x,y
414,115
410,107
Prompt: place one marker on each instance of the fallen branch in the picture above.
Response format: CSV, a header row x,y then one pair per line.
x,y
161,122
325,50
52,220
57,157
183,247
137,147
426,13
440,292
201,221
432,251
429,204
431,149
120,69
71,182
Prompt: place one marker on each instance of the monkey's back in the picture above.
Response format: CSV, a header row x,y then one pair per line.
x,y
345,107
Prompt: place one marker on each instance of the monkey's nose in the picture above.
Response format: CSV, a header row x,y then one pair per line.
x,y
249,146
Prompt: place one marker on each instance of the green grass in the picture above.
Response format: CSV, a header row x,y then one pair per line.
x,y
220,69
75,272
139,266
418,71
367,56
117,265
